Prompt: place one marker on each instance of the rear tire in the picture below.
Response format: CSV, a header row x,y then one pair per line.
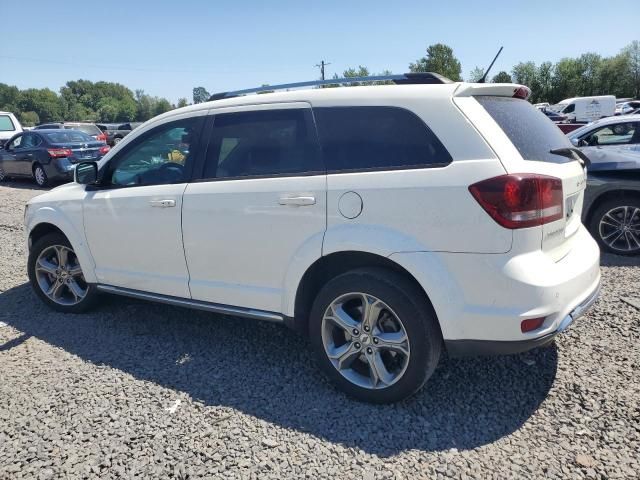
x,y
370,360
40,176
608,222
63,278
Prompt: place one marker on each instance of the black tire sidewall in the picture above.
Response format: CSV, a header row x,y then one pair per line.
x,y
46,241
599,212
425,339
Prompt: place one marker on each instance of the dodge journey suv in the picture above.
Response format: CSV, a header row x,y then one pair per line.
x,y
387,223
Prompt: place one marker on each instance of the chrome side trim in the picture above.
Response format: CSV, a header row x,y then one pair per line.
x,y
580,310
196,304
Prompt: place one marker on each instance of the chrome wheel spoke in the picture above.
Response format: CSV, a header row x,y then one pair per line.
x,y
55,290
76,290
371,309
75,270
342,319
63,256
344,355
46,266
396,342
612,219
378,371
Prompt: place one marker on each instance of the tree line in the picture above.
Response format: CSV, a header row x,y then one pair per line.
x,y
83,100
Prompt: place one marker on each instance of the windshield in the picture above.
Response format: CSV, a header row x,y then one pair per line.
x,y
72,136
530,131
6,125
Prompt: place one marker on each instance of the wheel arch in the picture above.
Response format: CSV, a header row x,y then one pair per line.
x,y
329,266
48,220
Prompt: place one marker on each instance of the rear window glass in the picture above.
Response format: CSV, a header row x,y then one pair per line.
x,y
360,138
88,129
6,125
530,131
68,137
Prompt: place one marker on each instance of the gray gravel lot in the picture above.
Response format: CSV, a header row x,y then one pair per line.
x,y
150,391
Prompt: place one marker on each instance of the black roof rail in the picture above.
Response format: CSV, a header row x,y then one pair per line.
x,y
399,79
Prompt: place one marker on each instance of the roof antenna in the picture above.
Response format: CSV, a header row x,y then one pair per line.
x,y
484,77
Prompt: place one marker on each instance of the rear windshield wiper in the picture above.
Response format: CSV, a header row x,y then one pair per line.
x,y
573,153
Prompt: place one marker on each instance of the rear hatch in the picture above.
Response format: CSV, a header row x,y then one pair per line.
x,y
526,141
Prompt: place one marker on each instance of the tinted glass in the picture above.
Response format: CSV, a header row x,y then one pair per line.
x,y
268,142
68,137
530,131
30,141
158,157
356,138
6,125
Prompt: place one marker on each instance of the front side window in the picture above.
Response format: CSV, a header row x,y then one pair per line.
x,y
361,138
160,156
30,141
16,142
617,134
6,125
264,142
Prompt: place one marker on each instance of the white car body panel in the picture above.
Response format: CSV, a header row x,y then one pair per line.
x,y
231,242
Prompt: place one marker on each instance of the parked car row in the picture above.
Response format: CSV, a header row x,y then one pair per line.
x,y
48,154
115,132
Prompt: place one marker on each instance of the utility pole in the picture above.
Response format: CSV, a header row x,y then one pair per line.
x,y
321,66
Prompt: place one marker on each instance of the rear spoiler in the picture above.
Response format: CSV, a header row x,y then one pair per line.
x,y
492,89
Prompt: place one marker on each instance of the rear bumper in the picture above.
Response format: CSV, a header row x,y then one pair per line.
x,y
481,299
468,348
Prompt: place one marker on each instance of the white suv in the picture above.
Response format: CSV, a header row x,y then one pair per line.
x,y
384,222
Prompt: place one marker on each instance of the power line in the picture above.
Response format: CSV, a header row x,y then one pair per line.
x,y
321,66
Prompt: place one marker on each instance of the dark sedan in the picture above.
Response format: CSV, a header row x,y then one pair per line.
x,y
48,155
611,209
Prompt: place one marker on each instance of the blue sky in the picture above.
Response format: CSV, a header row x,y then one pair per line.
x,y
168,48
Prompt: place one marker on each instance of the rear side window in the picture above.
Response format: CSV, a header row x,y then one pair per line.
x,y
530,131
6,125
263,143
376,138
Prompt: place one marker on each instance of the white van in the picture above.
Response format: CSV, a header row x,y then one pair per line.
x,y
9,126
587,109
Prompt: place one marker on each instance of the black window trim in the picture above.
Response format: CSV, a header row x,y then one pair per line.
x,y
189,166
208,130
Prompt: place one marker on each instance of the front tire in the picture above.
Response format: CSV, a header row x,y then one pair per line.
x,y
375,335
40,176
56,276
615,225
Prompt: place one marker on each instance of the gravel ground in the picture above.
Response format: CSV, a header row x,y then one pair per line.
x,y
149,391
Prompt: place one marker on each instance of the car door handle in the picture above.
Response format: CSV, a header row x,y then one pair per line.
x,y
162,203
299,201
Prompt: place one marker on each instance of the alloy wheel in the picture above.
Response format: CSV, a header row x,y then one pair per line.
x,y
40,176
619,229
365,340
59,275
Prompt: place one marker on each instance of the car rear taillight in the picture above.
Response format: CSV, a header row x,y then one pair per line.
x,y
520,200
104,149
102,137
59,152
521,92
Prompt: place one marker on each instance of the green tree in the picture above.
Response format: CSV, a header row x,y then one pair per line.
x,y
44,102
29,119
161,105
9,96
545,80
475,74
632,52
182,102
502,77
439,59
200,95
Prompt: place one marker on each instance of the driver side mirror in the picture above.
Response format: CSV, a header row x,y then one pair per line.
x,y
86,173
